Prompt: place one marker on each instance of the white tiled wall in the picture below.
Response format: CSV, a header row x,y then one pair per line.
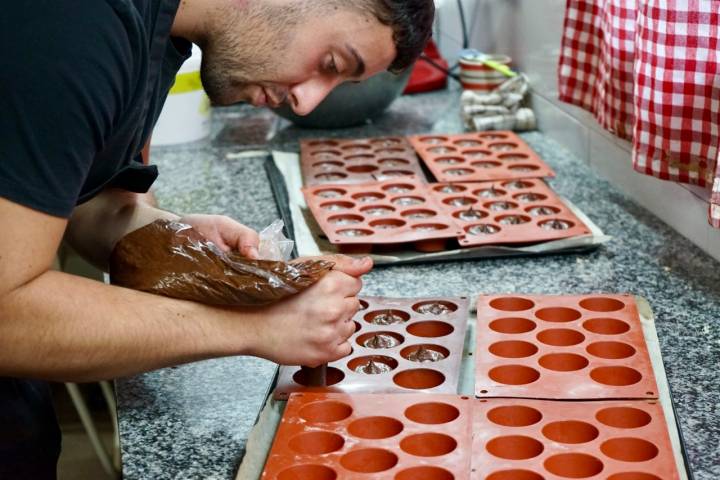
x,y
530,32
448,32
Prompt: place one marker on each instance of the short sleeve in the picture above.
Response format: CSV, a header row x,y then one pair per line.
x,y
65,75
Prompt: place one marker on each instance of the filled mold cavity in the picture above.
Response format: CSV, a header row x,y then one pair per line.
x,y
345,219
386,317
366,197
380,340
435,307
372,364
387,224
425,353
556,224
482,229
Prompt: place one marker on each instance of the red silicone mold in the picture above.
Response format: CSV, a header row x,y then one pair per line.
x,y
561,347
546,440
509,211
357,161
400,345
477,157
358,217
401,437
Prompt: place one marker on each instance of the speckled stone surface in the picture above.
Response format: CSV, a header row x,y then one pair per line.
x,y
192,421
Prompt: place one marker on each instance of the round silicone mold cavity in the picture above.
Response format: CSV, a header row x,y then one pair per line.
x,y
467,142
372,364
375,427
327,165
485,164
482,229
326,153
308,472
555,224
387,224
512,219
386,317
330,176
602,304
449,160
514,374
513,349
419,378
606,326
574,465
558,314
512,304
419,214
518,184
316,443
386,141
441,150
611,350
424,473
333,376
500,206
432,413
428,444
380,340
430,329
470,215
563,362
433,140
323,143
356,147
623,417
529,197
398,188
354,232
570,431
459,201
407,201
511,157
512,325
514,416
359,158
368,197
457,172
369,460
449,188
634,476
435,307
524,168
502,146
514,475
492,136
629,449
542,210
377,210
430,227
433,353
491,192
396,173
618,376
334,206
560,337
325,411
330,193
345,219
514,447
392,162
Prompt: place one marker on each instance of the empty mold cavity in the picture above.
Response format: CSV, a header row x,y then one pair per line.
x,y
432,413
616,376
502,146
430,329
485,164
623,417
424,473
316,443
354,232
377,210
369,460
514,475
563,362
333,206
378,340
570,431
560,337
325,411
606,326
514,374
513,349
345,219
512,304
408,201
386,317
372,364
633,476
387,223
513,325
435,307
482,229
368,196
399,188
458,172
375,427
514,447
419,378
558,314
611,350
574,465
601,304
514,416
333,376
323,143
449,160
330,193
419,214
433,140
629,449
425,353
308,472
428,444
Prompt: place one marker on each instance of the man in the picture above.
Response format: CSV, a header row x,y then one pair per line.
x,y
81,85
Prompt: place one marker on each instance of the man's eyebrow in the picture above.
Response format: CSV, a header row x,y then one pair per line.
x,y
359,62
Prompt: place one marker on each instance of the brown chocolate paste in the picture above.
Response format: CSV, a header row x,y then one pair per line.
x,y
172,259
381,340
386,318
373,368
434,309
423,354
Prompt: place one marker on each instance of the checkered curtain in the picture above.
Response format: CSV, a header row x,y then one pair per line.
x,y
649,70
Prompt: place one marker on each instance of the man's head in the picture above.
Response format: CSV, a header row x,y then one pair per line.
x,y
267,52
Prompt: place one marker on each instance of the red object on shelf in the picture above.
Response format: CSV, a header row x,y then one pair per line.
x,y
426,77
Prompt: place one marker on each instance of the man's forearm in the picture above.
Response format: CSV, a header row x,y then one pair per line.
x,y
66,328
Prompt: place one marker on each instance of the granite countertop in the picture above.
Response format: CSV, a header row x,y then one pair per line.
x,y
192,421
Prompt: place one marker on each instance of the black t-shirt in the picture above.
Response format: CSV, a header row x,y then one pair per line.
x,y
82,82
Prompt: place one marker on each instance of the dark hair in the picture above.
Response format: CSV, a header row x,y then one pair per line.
x,y
411,22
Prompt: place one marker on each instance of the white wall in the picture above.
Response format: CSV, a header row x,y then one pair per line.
x,y
530,32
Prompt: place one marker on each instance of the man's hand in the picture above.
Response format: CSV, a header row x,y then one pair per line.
x,y
226,233
355,267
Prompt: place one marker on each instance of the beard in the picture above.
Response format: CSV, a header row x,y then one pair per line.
x,y
244,48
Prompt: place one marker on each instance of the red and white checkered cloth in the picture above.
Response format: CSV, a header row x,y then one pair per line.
x,y
649,70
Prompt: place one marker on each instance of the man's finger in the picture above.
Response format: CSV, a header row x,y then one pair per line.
x,y
354,267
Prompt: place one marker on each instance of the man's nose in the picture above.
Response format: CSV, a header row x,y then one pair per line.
x,y
305,96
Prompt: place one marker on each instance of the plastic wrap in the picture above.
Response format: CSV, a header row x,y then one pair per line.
x,y
172,259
